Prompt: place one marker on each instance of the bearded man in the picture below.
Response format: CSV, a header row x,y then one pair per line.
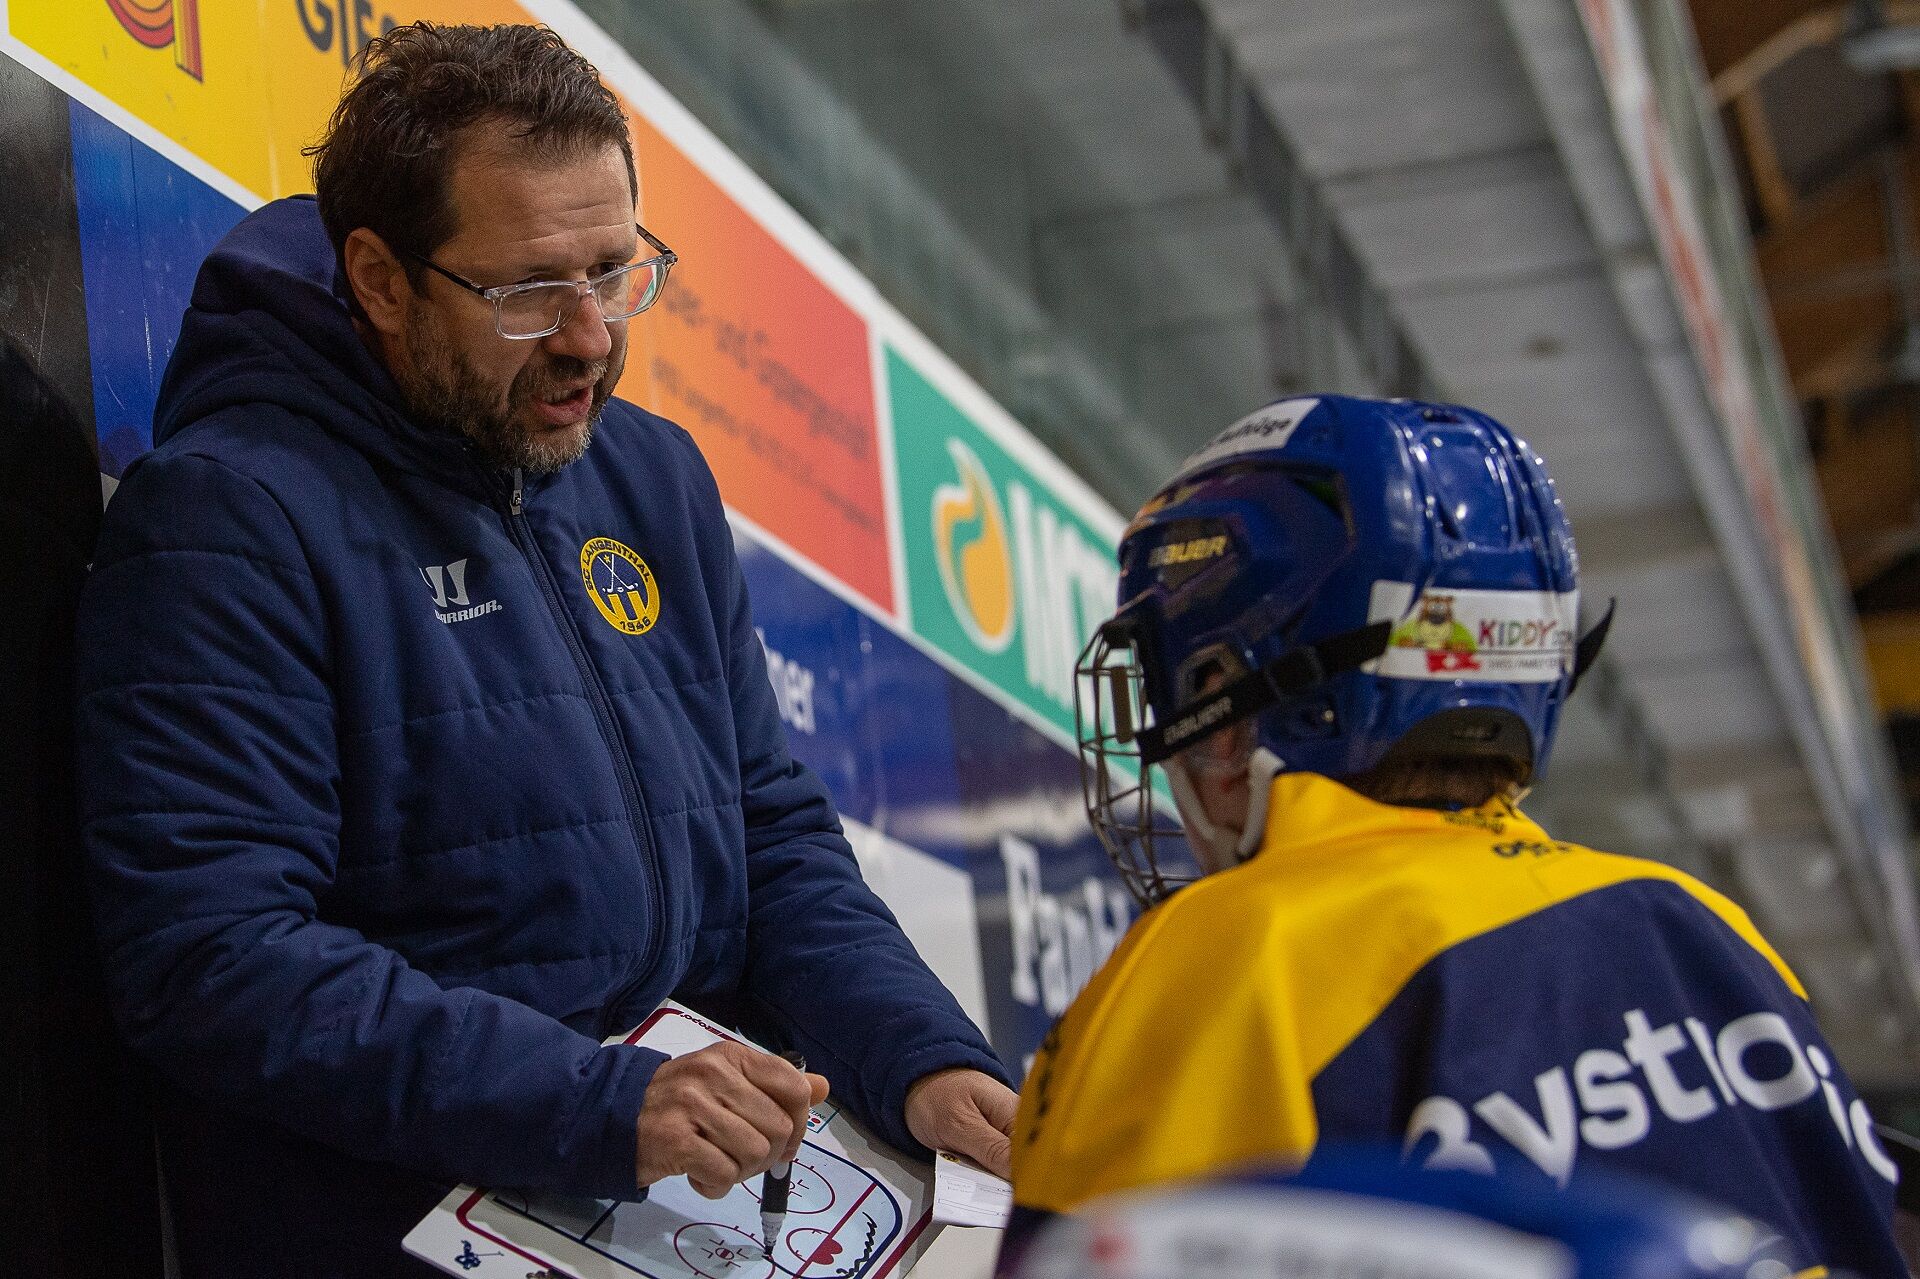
x,y
424,745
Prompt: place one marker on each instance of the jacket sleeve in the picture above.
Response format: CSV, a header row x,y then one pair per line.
x,y
826,962
210,804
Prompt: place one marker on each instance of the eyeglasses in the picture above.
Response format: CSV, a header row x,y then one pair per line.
x,y
543,307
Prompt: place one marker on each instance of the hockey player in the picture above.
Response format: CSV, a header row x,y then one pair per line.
x,y
1380,946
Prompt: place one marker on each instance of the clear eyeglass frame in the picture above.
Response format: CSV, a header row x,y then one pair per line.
x,y
540,308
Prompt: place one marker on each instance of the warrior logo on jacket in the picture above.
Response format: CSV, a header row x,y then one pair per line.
x,y
451,603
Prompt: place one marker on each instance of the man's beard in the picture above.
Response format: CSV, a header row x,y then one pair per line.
x,y
445,392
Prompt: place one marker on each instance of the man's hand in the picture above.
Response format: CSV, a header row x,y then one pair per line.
x,y
722,1115
967,1112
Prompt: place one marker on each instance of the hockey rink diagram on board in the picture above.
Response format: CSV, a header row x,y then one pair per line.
x,y
841,1222
856,1211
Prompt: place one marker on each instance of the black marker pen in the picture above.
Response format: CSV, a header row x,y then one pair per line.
x,y
773,1186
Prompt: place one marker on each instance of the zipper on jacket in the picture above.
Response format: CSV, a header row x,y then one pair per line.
x,y
610,735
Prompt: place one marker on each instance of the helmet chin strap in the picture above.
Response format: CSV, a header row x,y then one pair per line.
x,y
1219,844
1262,767
1212,844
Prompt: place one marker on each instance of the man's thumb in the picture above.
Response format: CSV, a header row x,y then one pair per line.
x,y
818,1084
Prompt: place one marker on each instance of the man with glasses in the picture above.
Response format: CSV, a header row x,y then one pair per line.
x,y
423,747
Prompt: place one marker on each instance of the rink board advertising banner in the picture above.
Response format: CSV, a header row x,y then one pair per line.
x,y
923,573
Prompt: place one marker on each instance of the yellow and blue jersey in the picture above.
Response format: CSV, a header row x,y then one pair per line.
x,y
1467,988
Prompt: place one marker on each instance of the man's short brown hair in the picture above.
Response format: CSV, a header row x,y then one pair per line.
x,y
388,153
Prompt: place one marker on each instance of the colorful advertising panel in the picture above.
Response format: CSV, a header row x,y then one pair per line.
x,y
241,85
1005,577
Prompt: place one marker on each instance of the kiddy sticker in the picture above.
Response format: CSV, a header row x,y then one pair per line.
x,y
1481,637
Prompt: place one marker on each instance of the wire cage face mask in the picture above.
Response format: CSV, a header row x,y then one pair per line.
x,y
1121,741
1142,836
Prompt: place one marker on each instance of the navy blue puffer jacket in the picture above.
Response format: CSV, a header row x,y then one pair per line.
x,y
391,819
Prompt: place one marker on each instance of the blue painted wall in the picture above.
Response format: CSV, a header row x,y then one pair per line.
x,y
145,225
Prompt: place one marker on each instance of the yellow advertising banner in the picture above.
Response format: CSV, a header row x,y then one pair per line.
x,y
242,84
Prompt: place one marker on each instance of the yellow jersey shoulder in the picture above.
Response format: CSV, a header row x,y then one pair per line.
x,y
1177,1058
1195,1047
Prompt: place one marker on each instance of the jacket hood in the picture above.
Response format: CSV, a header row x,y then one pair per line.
x,y
268,324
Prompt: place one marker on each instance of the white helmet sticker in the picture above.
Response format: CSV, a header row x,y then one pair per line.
x,y
1267,428
1480,637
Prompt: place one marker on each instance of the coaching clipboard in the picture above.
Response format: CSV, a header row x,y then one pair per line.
x,y
857,1210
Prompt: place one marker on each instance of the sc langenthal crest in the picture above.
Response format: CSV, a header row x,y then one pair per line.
x,y
620,585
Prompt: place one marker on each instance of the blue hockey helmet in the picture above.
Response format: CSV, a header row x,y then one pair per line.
x,y
1350,577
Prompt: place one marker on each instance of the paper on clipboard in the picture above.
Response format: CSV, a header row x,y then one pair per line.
x,y
857,1210
965,1194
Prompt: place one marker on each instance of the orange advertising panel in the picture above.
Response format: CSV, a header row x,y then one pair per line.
x,y
770,370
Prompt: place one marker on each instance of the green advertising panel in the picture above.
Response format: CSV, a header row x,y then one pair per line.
x,y
1002,576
